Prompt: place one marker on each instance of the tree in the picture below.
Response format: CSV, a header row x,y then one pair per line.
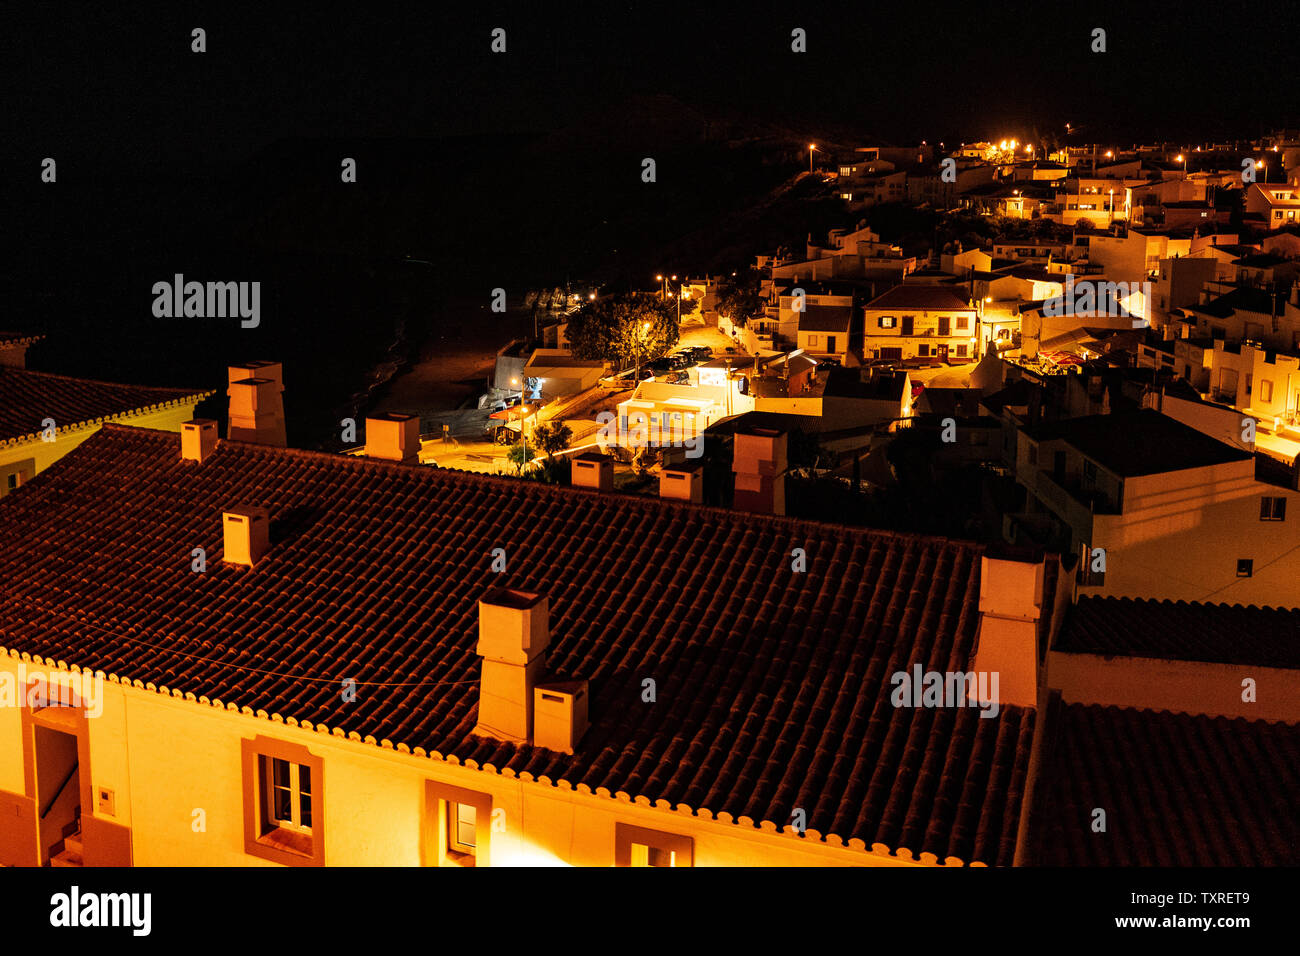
x,y
623,329
552,437
519,455
738,298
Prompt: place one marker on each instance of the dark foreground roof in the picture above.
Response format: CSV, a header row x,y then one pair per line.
x,y
1179,631
27,398
772,686
1177,789
1139,442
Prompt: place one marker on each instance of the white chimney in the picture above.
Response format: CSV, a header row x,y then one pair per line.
x,y
559,714
759,461
684,482
256,403
592,470
247,534
1011,603
393,436
198,439
513,633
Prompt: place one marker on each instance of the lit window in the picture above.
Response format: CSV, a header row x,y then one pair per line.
x,y
462,821
812,341
1245,567
282,803
1265,390
886,322
638,846
458,826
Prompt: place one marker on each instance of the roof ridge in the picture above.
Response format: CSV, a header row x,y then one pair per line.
x,y
186,392
458,475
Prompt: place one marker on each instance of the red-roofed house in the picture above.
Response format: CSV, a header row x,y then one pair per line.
x,y
44,416
919,321
312,656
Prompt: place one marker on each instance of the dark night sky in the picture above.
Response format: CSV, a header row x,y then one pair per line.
x,y
226,164
118,82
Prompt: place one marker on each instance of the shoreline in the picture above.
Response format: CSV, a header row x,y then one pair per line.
x,y
454,360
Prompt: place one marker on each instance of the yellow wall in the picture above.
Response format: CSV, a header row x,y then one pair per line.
x,y
66,439
185,755
1182,532
1190,687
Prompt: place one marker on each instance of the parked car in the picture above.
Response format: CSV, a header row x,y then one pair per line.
x,y
661,365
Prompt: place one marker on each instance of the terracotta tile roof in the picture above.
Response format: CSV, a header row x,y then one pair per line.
x,y
1179,631
10,339
1178,790
826,318
931,298
27,398
773,686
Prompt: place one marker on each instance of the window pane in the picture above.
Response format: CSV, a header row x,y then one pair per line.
x,y
658,857
304,806
304,778
466,823
282,806
281,772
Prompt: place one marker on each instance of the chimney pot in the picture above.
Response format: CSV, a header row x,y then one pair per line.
x,y
759,461
1011,603
247,534
393,436
559,714
683,482
513,633
591,470
198,439
256,403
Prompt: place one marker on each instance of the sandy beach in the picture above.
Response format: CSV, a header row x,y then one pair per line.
x,y
455,360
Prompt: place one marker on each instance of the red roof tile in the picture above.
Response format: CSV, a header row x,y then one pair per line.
x,y
1182,631
1178,790
772,686
27,398
926,298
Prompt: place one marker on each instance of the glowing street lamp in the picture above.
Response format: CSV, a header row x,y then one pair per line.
x,y
811,147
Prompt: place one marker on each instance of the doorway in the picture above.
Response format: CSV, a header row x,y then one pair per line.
x,y
58,797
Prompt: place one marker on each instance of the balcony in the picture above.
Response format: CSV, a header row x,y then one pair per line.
x,y
1069,499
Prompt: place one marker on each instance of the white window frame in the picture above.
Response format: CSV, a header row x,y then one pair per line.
x,y
454,823
294,822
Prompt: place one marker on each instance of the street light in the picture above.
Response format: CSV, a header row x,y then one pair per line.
x,y
663,287
811,147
